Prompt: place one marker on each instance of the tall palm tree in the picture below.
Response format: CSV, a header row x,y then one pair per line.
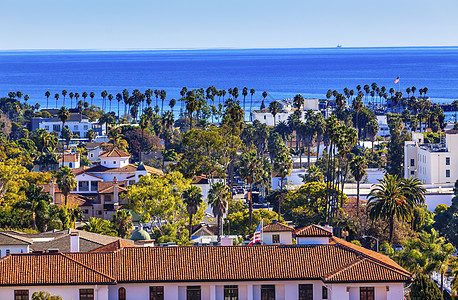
x,y
104,95
122,222
282,165
372,130
64,93
65,181
91,95
358,168
192,197
250,168
274,109
192,104
100,226
110,98
244,93
144,123
77,95
357,106
298,101
64,116
163,96
34,196
118,98
219,196
56,96
252,91
47,95
388,200
71,95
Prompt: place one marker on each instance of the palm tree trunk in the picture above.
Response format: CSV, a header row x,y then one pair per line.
x,y
318,149
357,199
391,229
34,220
190,226
250,201
308,154
219,227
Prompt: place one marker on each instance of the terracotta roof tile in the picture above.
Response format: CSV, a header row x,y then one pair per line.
x,y
115,152
312,230
115,246
277,227
106,187
12,239
56,268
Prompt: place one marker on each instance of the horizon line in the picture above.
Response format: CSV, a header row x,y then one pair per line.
x,y
212,48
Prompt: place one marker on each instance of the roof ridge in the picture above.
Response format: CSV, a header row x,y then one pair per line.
x,y
87,267
22,239
354,262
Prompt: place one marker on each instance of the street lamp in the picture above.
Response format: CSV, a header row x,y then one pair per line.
x,y
376,239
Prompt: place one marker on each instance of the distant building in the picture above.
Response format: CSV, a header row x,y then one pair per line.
x,y
334,269
71,160
286,109
277,233
432,163
78,125
94,150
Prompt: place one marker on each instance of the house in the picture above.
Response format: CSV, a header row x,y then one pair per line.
x,y
77,123
286,109
71,160
432,163
94,150
68,240
313,235
277,233
336,270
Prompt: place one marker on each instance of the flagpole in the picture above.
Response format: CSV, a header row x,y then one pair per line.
x,y
262,231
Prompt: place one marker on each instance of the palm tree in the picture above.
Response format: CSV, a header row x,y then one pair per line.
x,y
33,201
84,95
100,226
244,93
118,98
77,95
64,93
47,95
357,106
144,123
250,167
358,168
282,165
64,116
163,95
298,101
104,95
90,135
71,95
65,181
313,174
192,197
372,130
274,109
122,222
192,105
388,200
56,96
26,98
252,91
110,98
219,196
172,104
91,95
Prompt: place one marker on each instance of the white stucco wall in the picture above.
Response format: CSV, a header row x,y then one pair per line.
x,y
13,249
286,237
383,291
312,240
114,162
70,292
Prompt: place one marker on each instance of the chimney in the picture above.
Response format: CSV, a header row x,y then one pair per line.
x,y
74,242
115,193
52,191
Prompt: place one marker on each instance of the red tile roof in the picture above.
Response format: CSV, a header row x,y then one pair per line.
x,y
277,227
312,230
113,247
115,152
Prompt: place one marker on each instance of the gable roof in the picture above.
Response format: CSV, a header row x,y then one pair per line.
x,y
7,238
56,268
312,231
115,152
106,187
277,227
115,246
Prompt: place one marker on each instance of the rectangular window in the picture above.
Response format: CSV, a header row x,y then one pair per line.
x,y
231,292
83,186
193,293
92,154
85,127
305,291
268,292
276,238
447,161
8,252
75,127
56,128
412,162
412,172
131,182
46,127
366,293
86,294
447,173
99,212
107,198
324,292
156,293
21,295
94,185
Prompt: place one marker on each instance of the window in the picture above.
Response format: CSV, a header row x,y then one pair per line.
x,y
276,238
91,155
70,165
412,162
7,251
156,293
46,127
447,161
99,212
122,294
324,292
447,173
268,292
107,198
193,293
231,292
131,182
85,211
305,291
75,127
86,294
104,162
85,127
412,172
94,185
83,186
366,293
56,128
21,295
114,162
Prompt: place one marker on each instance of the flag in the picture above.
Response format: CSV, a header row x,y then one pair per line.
x,y
256,235
396,80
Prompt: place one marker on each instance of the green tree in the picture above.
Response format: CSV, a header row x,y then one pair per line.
x,y
65,181
47,95
100,226
219,196
192,198
424,288
274,109
36,200
372,130
42,295
122,222
312,174
250,169
56,96
358,168
282,166
63,115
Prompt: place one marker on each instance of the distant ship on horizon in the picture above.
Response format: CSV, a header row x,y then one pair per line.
x,y
339,46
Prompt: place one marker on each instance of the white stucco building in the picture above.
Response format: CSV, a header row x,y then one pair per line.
x,y
286,109
333,270
432,163
78,125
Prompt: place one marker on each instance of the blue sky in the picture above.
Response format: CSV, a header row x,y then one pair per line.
x,y
156,24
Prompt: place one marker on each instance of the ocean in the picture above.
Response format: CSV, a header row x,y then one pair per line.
x,y
283,73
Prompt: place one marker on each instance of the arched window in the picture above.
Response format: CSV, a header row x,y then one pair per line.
x,y
122,294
